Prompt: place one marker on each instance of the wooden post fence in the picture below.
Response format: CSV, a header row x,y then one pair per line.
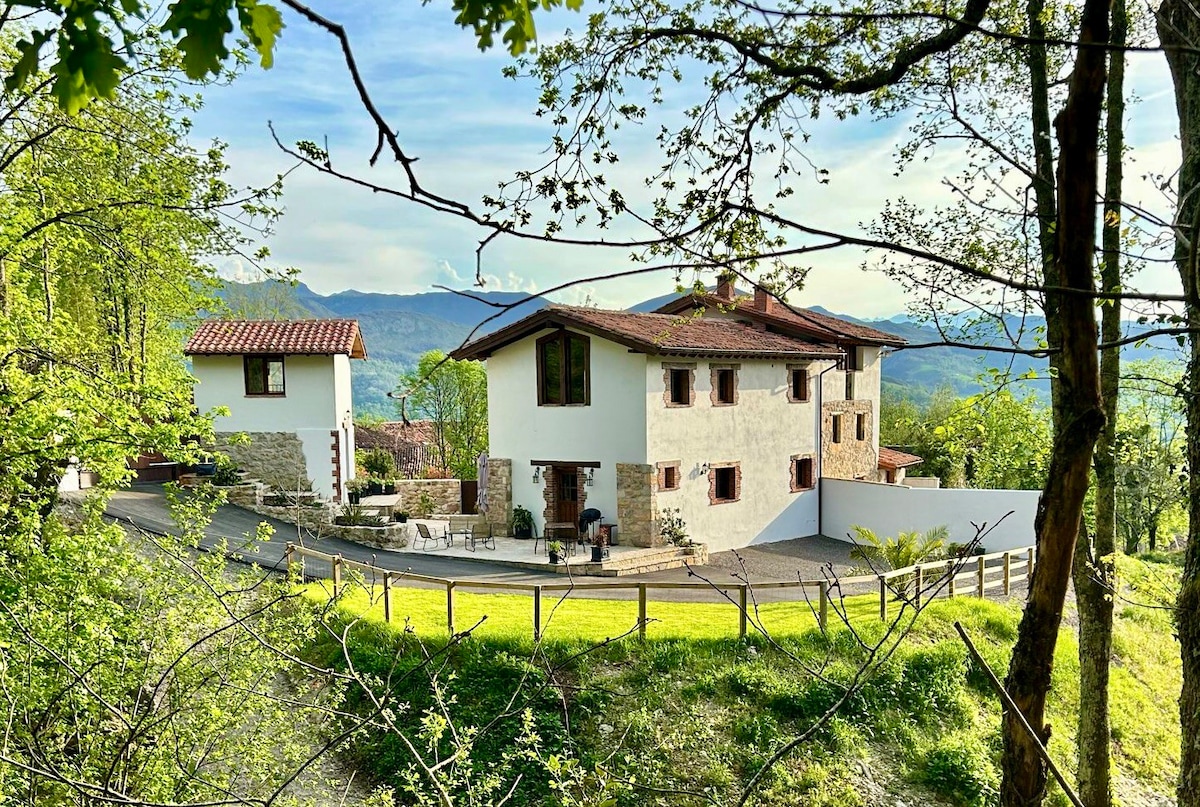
x,y
641,610
743,605
537,613
295,554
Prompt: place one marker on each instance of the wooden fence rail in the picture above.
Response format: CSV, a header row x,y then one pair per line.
x,y
973,575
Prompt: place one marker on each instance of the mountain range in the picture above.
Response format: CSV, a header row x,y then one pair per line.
x,y
398,328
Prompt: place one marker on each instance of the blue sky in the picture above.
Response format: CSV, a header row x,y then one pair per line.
x,y
472,128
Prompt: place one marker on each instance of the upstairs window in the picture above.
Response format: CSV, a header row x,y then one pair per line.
x,y
564,371
860,427
837,429
680,384
724,385
264,375
798,384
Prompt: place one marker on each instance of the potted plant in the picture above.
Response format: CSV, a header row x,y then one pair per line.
x,y
389,487
402,517
354,489
598,544
374,486
522,522
554,548
227,473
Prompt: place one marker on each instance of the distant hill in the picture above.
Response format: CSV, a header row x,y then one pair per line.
x,y
398,328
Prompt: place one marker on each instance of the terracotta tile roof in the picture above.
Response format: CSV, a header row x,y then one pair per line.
x,y
306,337
890,459
658,334
392,433
813,323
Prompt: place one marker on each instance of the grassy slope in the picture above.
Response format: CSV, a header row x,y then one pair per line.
x,y
693,710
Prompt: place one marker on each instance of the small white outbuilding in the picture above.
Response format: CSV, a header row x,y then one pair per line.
x,y
286,386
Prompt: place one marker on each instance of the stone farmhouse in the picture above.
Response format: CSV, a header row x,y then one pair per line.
x,y
730,408
287,386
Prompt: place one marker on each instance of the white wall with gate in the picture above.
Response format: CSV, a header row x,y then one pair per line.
x,y
889,509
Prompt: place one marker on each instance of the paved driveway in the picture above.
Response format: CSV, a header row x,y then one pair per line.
x,y
146,507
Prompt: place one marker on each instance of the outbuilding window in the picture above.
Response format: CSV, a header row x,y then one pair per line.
x,y
264,375
725,483
802,473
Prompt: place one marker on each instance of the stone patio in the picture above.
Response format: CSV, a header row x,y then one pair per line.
x,y
519,554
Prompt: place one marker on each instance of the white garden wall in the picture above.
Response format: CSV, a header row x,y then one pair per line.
x,y
889,509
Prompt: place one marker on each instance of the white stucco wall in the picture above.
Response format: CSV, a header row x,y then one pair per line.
x,y
868,383
344,408
889,509
315,388
762,432
609,431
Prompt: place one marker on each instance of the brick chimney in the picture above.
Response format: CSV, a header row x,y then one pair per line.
x,y
764,301
725,287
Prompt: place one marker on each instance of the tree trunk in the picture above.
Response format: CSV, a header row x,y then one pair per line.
x,y
1178,28
1152,535
1077,409
1094,574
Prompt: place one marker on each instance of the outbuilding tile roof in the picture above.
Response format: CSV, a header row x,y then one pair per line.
x,y
655,334
319,337
890,459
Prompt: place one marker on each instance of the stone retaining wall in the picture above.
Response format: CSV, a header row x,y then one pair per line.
x,y
277,458
393,536
446,494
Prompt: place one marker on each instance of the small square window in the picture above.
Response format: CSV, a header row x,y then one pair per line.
x,y
263,375
725,484
837,429
670,477
681,387
725,387
802,473
860,427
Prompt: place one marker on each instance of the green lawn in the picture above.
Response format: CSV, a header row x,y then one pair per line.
x,y
573,617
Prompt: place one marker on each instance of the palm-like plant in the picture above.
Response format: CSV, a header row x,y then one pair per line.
x,y
906,549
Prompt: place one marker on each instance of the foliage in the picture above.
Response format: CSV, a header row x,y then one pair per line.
x,y
554,546
379,464
522,519
354,515
125,654
425,505
906,549
672,528
693,708
1149,450
452,394
993,440
227,473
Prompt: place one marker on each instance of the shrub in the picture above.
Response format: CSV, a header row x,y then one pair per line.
x,y
425,505
353,515
961,769
227,473
379,464
906,549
